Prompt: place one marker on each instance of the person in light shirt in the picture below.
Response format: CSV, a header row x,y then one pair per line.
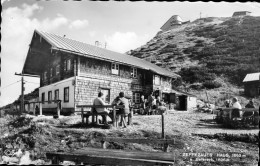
x,y
235,103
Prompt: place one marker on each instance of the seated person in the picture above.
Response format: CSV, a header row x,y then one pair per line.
x,y
250,104
227,103
100,101
235,104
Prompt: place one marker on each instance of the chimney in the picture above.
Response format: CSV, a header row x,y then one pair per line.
x,y
97,43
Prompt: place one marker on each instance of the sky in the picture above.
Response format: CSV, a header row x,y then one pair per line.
x,y
122,25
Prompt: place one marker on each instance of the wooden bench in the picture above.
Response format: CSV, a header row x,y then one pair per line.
x,y
117,157
112,157
87,114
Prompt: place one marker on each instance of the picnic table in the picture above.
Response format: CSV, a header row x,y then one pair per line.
x,y
113,108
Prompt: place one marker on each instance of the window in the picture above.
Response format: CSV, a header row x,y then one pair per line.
x,y
65,65
49,96
68,64
51,71
136,98
66,94
56,94
157,80
106,93
115,68
57,69
43,96
134,72
45,75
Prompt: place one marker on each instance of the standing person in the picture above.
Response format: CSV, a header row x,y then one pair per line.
x,y
37,110
142,105
123,111
100,101
160,106
150,103
250,104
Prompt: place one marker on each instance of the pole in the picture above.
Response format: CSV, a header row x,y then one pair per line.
x,y
114,116
22,97
162,124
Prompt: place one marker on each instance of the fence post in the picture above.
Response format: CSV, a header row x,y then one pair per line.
x,y
162,124
58,108
29,108
82,115
114,116
130,115
34,108
40,105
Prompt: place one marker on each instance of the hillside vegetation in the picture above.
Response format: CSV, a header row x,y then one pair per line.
x,y
208,53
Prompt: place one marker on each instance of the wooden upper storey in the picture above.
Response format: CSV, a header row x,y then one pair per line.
x,y
54,63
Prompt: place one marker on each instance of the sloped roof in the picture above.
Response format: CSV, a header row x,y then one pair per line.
x,y
69,45
175,18
252,77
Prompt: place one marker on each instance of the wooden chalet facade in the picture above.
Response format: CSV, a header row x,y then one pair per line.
x,y
74,72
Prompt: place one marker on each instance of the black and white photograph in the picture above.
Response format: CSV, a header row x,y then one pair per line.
x,y
129,83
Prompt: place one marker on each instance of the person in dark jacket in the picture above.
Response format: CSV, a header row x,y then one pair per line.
x,y
250,104
125,110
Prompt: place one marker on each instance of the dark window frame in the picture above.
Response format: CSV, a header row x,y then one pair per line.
x,y
49,96
51,72
56,97
64,95
115,67
135,97
43,96
57,71
134,72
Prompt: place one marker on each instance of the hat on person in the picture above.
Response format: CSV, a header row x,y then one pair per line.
x,y
235,99
100,94
121,94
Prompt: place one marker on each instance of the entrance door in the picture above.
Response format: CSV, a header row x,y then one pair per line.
x,y
182,102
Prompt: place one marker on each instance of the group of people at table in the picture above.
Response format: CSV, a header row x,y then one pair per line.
x,y
235,104
147,105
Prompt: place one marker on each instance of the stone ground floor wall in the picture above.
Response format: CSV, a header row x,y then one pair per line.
x,y
87,88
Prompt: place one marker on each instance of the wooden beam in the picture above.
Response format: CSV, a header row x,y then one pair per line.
x,y
103,160
138,140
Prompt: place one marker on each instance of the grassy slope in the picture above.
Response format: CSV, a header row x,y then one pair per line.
x,y
221,50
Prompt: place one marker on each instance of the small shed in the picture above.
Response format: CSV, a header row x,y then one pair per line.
x,y
185,101
252,84
241,14
174,21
